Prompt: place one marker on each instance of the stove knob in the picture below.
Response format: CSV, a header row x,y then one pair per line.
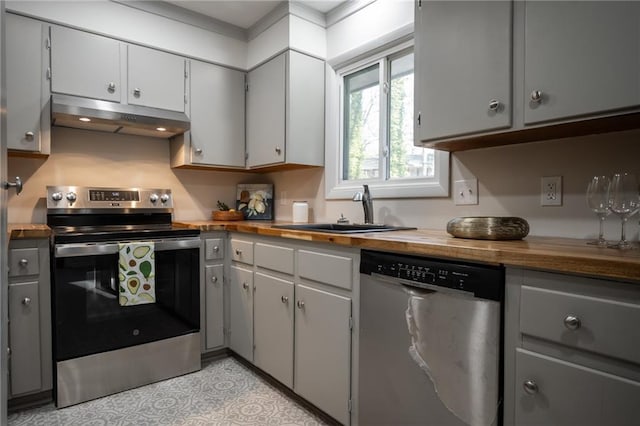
x,y
56,196
153,198
164,198
71,196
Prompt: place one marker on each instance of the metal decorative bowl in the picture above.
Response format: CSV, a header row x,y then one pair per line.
x,y
488,228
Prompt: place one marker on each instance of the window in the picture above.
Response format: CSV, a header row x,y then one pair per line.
x,y
376,133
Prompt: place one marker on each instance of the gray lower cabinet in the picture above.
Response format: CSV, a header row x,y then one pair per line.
x,y
241,311
273,326
571,350
217,110
291,315
30,356
285,111
323,350
212,293
28,107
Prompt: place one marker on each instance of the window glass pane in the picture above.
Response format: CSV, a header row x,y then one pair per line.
x,y
361,156
406,160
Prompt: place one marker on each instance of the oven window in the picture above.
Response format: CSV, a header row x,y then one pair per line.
x,y
89,318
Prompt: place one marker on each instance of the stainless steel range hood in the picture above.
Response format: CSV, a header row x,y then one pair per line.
x,y
104,116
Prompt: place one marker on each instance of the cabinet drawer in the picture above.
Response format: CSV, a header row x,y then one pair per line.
x,y
274,257
562,393
23,262
213,249
326,268
242,251
600,325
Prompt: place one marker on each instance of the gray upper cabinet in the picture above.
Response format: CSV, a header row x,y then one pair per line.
x,y
156,79
463,67
217,135
580,58
85,65
285,112
28,108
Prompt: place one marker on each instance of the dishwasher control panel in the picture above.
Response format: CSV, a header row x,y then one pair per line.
x,y
485,281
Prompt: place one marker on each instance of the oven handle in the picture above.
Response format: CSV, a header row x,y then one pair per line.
x,y
99,249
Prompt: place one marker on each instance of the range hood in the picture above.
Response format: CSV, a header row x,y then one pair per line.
x,y
104,116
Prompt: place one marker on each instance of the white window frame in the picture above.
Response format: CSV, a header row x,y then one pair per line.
x,y
335,186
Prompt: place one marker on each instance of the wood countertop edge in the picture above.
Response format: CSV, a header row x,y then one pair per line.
x,y
562,255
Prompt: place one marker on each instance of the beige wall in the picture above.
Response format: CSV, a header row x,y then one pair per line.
x,y
102,159
509,184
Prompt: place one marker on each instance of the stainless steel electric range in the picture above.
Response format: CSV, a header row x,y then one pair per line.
x,y
125,285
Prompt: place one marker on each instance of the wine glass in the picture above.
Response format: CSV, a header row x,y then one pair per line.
x,y
623,201
598,201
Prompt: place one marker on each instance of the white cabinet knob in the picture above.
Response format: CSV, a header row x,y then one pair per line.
x,y
137,92
26,301
238,252
111,87
214,279
23,262
572,322
536,96
245,286
530,387
284,299
494,105
300,304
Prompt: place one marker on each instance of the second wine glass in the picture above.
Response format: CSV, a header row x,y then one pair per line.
x,y
623,201
598,202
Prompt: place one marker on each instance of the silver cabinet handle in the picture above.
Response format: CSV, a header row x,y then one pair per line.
x,y
284,299
216,249
494,105
530,387
29,136
536,96
137,92
278,150
26,301
23,262
111,87
214,279
17,185
198,151
572,322
300,304
245,286
238,252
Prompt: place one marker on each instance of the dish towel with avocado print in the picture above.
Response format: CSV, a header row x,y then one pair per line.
x,y
137,273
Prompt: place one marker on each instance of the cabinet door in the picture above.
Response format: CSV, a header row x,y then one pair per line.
x,y
562,393
273,327
584,58
26,65
217,115
241,306
156,79
214,306
323,350
84,64
266,113
462,66
24,338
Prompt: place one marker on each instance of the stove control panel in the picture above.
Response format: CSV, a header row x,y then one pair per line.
x,y
87,198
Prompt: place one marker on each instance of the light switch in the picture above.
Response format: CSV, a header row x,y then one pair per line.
x,y
466,192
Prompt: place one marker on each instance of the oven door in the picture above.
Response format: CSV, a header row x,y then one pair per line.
x,y
88,315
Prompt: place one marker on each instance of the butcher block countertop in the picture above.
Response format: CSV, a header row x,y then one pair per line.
x,y
552,254
566,255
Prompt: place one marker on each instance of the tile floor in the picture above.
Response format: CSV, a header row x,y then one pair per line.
x,y
224,392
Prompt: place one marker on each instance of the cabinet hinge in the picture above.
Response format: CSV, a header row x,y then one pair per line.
x,y
186,74
185,99
349,405
246,156
419,118
47,43
419,4
350,323
48,73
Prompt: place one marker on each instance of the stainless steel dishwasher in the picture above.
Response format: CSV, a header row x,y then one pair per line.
x,y
430,341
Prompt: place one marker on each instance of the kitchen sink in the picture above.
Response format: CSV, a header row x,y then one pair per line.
x,y
343,228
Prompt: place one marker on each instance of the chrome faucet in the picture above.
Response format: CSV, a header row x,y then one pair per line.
x,y
367,203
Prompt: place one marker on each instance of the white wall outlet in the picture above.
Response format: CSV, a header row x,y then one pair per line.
x,y
551,191
466,192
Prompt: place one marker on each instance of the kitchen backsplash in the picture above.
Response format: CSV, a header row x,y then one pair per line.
x,y
508,177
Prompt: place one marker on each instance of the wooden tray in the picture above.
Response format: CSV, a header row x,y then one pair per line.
x,y
227,215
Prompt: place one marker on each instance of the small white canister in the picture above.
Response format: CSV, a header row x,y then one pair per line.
x,y
300,211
